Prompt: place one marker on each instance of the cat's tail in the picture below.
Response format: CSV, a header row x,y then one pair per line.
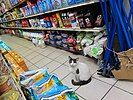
x,y
81,82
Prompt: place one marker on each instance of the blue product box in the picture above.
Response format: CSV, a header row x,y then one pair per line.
x,y
40,6
30,11
64,3
35,9
56,4
80,1
45,6
49,3
71,2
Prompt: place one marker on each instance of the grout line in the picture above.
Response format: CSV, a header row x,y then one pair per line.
x,y
123,90
80,96
65,76
103,81
108,91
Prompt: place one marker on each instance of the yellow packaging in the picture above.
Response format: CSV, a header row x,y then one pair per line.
x,y
59,20
10,95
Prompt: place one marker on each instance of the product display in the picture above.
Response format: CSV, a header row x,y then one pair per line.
x,y
69,49
36,84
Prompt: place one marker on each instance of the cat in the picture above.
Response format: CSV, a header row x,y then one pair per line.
x,y
80,72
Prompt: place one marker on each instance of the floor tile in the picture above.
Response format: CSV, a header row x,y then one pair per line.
x,y
32,55
62,58
47,51
54,54
33,67
67,81
125,85
117,94
111,81
62,71
52,66
80,98
94,90
36,58
39,50
29,64
27,53
43,62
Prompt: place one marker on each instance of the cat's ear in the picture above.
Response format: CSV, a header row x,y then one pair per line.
x,y
77,59
69,57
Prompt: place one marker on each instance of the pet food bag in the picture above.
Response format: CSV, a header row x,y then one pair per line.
x,y
87,40
49,90
29,81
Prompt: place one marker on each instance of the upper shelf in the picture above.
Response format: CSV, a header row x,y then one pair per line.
x,y
17,5
96,29
56,10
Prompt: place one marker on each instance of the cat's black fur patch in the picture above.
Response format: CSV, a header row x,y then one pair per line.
x,y
77,71
74,60
81,82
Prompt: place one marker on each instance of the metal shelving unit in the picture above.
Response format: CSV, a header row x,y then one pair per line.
x,y
56,10
96,29
17,5
15,83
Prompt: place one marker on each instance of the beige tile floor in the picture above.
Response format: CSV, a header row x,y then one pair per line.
x,y
56,61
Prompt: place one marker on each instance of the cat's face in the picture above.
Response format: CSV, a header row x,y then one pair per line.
x,y
73,62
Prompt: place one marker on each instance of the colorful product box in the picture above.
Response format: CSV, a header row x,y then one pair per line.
x,y
59,20
56,4
71,2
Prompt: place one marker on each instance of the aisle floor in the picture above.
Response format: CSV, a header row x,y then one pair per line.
x,y
56,61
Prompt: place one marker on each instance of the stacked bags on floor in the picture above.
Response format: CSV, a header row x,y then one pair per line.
x,y
40,85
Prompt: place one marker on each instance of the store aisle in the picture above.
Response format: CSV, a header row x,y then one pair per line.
x,y
56,61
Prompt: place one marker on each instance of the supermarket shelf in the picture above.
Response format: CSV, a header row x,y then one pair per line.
x,y
96,29
56,10
15,83
17,5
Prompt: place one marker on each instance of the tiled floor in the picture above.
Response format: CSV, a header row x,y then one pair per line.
x,y
56,61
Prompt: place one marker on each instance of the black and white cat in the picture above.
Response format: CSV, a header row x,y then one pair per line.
x,y
80,72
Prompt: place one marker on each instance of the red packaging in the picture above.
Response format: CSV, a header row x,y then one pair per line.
x,y
25,23
54,21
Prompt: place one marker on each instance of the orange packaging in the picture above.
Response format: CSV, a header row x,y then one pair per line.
x,y
18,60
59,20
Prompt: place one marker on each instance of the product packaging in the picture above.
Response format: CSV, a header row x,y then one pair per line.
x,y
64,3
54,21
50,90
10,95
56,4
59,20
71,2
